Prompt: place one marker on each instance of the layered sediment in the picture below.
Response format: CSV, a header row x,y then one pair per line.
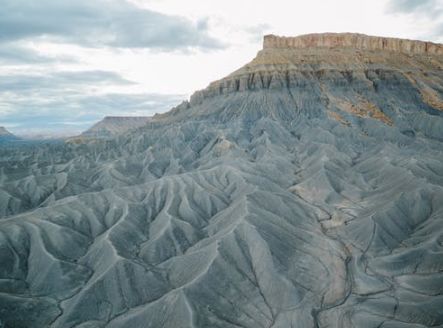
x,y
287,62
352,40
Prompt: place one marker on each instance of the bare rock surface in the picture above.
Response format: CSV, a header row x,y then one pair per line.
x,y
303,190
353,40
112,126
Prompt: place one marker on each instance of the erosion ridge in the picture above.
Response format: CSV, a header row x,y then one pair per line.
x,y
109,127
4,132
307,199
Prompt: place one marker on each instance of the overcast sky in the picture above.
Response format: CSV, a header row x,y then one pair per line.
x,y
66,64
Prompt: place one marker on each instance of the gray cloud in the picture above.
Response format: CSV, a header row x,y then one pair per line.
x,y
115,23
13,54
19,53
58,81
409,6
429,9
76,112
45,98
256,32
62,100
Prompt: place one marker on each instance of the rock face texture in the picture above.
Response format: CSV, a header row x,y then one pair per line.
x,y
351,40
303,190
112,126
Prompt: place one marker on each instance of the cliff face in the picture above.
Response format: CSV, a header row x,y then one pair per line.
x,y
344,76
287,62
355,41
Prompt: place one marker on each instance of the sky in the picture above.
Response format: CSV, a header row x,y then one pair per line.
x,y
64,65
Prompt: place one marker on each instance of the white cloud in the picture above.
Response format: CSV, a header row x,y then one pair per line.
x,y
97,23
178,62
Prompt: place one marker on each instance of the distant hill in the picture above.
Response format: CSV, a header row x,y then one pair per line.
x,y
114,125
6,136
109,127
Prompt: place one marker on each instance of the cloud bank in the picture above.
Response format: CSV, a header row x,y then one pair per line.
x,y
430,10
69,63
40,92
97,23
70,101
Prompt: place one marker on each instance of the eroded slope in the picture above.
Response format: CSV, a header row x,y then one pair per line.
x,y
312,198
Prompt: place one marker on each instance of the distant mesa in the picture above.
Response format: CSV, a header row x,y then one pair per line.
x,y
287,63
115,125
6,136
112,126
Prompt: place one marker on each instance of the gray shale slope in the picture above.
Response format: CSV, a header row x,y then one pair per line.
x,y
303,190
112,126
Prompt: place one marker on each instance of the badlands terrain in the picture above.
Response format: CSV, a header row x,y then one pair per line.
x,y
303,190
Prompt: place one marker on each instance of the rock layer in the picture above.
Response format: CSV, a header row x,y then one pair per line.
x,y
309,199
354,41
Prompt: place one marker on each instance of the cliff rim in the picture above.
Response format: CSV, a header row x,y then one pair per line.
x,y
352,40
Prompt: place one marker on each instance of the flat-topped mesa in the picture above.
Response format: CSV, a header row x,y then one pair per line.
x,y
339,58
352,40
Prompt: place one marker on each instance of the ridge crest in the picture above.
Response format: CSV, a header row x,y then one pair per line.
x,y
351,40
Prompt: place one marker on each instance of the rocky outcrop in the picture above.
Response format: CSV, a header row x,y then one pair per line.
x,y
352,40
